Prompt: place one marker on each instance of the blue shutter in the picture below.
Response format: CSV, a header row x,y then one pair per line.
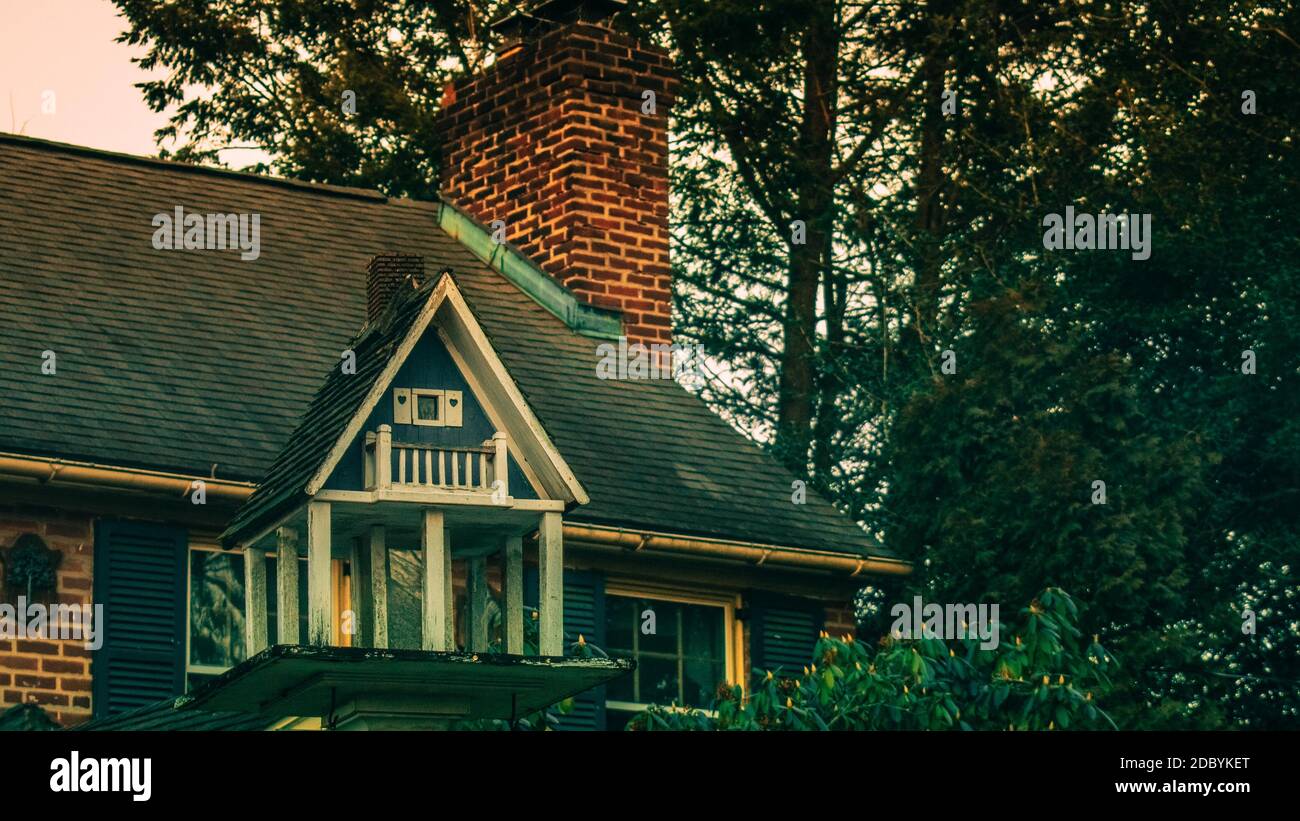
x,y
783,633
584,614
140,581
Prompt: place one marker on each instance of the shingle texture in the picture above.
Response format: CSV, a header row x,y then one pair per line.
x,y
333,406
163,717
202,363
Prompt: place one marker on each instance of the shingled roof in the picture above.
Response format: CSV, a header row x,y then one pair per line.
x,y
201,363
333,406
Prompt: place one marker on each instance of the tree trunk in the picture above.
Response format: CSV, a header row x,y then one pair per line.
x,y
930,180
814,200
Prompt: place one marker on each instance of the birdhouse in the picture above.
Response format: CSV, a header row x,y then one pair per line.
x,y
424,448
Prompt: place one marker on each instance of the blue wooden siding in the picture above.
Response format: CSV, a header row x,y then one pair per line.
x,y
584,615
429,366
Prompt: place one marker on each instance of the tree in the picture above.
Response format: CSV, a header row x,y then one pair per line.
x,y
1041,676
858,243
336,92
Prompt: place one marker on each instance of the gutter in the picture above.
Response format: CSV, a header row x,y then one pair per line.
x,y
756,554
47,470
506,260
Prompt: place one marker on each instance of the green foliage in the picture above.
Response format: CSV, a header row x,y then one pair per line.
x,y
274,75
1042,676
542,719
1071,367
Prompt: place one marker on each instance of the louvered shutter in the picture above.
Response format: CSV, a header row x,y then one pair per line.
x,y
584,614
783,633
140,580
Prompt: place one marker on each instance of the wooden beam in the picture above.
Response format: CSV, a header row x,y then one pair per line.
x,y
320,599
512,581
378,587
362,609
477,588
500,464
449,598
286,583
384,457
255,600
437,558
550,585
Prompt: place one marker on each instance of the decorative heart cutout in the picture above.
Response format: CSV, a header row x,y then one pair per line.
x,y
401,399
453,402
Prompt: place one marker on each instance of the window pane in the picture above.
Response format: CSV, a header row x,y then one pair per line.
x,y
216,608
701,679
702,632
664,637
620,619
426,408
658,680
683,660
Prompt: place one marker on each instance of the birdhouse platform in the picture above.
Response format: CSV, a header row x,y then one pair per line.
x,y
357,688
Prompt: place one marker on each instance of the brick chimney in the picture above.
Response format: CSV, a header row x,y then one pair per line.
x,y
384,273
558,140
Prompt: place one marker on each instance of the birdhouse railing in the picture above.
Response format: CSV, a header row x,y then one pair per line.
x,y
421,465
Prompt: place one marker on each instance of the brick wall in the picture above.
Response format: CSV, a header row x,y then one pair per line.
x,y
54,674
840,621
552,141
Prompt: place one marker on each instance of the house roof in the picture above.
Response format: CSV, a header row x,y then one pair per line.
x,y
201,363
333,406
315,446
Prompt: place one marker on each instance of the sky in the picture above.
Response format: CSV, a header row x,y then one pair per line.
x,y
63,78
61,52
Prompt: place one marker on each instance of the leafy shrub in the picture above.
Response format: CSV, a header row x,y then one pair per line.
x,y
1045,677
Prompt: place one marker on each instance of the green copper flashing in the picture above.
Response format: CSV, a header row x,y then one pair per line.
x,y
514,266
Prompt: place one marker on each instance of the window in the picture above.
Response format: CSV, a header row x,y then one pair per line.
x,y
683,650
215,635
428,407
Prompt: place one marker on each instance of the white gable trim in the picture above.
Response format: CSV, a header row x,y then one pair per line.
x,y
476,358
498,422
529,444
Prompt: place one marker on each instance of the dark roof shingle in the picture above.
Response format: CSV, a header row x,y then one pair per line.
x,y
198,361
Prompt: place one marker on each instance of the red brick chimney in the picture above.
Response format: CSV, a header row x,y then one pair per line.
x,y
385,273
558,139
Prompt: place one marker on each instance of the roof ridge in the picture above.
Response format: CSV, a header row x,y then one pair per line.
x,y
192,168
463,228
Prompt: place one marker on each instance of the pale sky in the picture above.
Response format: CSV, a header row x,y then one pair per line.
x,y
65,47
